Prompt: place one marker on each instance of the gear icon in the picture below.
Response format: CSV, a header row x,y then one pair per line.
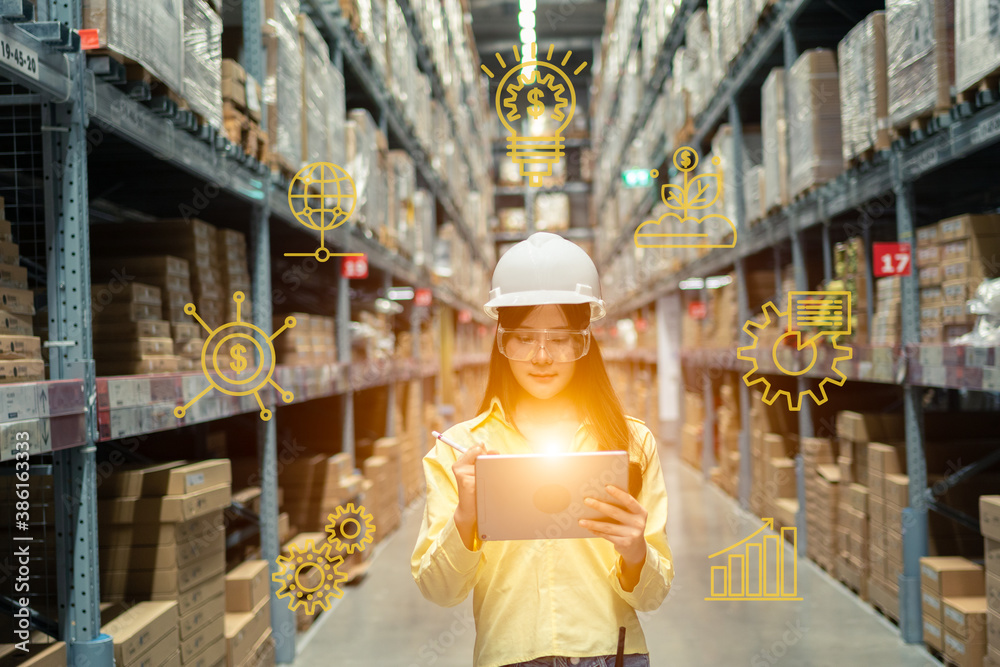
x,y
746,353
351,528
299,584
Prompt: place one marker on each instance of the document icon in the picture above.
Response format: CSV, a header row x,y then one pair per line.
x,y
830,311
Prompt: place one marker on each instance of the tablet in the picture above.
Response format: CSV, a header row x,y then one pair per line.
x,y
540,496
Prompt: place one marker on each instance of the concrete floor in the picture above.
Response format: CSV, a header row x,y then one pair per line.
x,y
385,622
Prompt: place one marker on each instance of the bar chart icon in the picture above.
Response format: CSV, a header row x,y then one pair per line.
x,y
757,570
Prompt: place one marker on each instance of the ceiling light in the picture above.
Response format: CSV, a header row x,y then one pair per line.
x,y
387,307
527,5
526,19
692,283
715,282
527,38
400,293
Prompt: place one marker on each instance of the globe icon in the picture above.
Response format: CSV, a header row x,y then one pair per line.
x,y
322,196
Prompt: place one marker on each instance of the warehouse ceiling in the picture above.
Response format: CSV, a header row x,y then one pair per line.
x,y
569,24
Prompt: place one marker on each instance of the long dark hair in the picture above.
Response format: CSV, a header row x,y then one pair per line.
x,y
590,389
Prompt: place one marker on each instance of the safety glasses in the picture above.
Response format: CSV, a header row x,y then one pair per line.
x,y
561,344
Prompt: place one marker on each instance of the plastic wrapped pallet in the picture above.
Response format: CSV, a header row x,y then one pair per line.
x,y
729,29
362,158
552,212
150,32
336,117
202,88
699,46
864,94
424,227
722,148
401,58
774,131
283,83
368,20
814,127
315,91
753,186
920,52
402,180
977,42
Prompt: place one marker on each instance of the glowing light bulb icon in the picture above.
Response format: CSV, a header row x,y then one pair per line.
x,y
547,90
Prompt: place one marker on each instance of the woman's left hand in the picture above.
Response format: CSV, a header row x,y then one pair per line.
x,y
628,531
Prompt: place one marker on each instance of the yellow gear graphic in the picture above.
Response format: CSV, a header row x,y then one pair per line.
x,y
305,593
351,528
771,316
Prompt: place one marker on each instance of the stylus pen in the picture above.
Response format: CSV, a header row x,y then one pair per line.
x,y
448,442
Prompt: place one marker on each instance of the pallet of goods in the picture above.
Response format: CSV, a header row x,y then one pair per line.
x,y
815,154
283,85
20,350
864,90
143,345
241,110
247,618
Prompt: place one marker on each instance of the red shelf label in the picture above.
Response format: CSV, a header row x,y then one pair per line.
x,y
354,267
892,259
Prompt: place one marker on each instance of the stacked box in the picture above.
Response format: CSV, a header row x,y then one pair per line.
x,y
822,484
202,59
977,49
888,489
382,492
886,325
928,268
401,174
368,18
312,340
753,191
148,33
235,272
336,116
163,538
391,494
363,154
130,335
146,634
283,83
247,617
241,109
315,486
864,92
965,631
774,132
729,439
969,249
401,60
989,526
920,58
814,130
315,106
851,275
946,577
20,351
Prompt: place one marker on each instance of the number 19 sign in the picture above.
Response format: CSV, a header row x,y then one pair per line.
x,y
891,259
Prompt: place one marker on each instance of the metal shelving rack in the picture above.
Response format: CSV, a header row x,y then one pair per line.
x,y
75,106
911,365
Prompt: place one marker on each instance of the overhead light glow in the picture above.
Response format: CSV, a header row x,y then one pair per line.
x,y
692,283
526,19
715,282
527,38
387,307
527,5
400,293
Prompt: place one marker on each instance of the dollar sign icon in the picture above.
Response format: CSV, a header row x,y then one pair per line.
x,y
537,107
685,159
239,363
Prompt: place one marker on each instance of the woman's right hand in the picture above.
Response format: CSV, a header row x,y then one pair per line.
x,y
464,469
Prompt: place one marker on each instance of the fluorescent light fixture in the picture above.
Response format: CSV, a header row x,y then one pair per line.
x,y
527,5
400,293
526,20
715,282
527,37
692,283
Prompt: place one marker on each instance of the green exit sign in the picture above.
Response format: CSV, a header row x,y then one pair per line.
x,y
637,178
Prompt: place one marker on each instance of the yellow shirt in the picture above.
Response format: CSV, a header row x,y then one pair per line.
x,y
534,598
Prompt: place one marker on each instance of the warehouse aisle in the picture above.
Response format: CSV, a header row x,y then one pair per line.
x,y
386,623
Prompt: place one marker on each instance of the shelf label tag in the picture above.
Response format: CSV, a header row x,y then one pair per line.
x,y
354,267
422,297
892,259
19,57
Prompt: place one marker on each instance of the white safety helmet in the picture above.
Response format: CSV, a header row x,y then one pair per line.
x,y
545,269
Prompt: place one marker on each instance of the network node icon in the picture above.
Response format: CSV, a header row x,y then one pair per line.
x,y
235,340
678,228
324,210
351,528
829,310
309,577
548,90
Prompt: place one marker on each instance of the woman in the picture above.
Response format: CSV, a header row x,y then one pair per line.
x,y
551,602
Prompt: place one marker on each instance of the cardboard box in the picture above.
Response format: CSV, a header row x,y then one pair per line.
x,y
993,593
127,480
967,225
198,618
139,628
262,654
933,633
989,517
247,585
993,629
965,617
38,655
897,489
991,556
963,653
951,576
212,656
200,595
886,459
188,478
163,584
166,509
20,347
992,657
159,557
927,236
205,529
21,370
930,603
209,634
15,324
243,630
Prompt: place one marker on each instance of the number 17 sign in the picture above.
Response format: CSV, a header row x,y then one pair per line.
x,y
891,259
